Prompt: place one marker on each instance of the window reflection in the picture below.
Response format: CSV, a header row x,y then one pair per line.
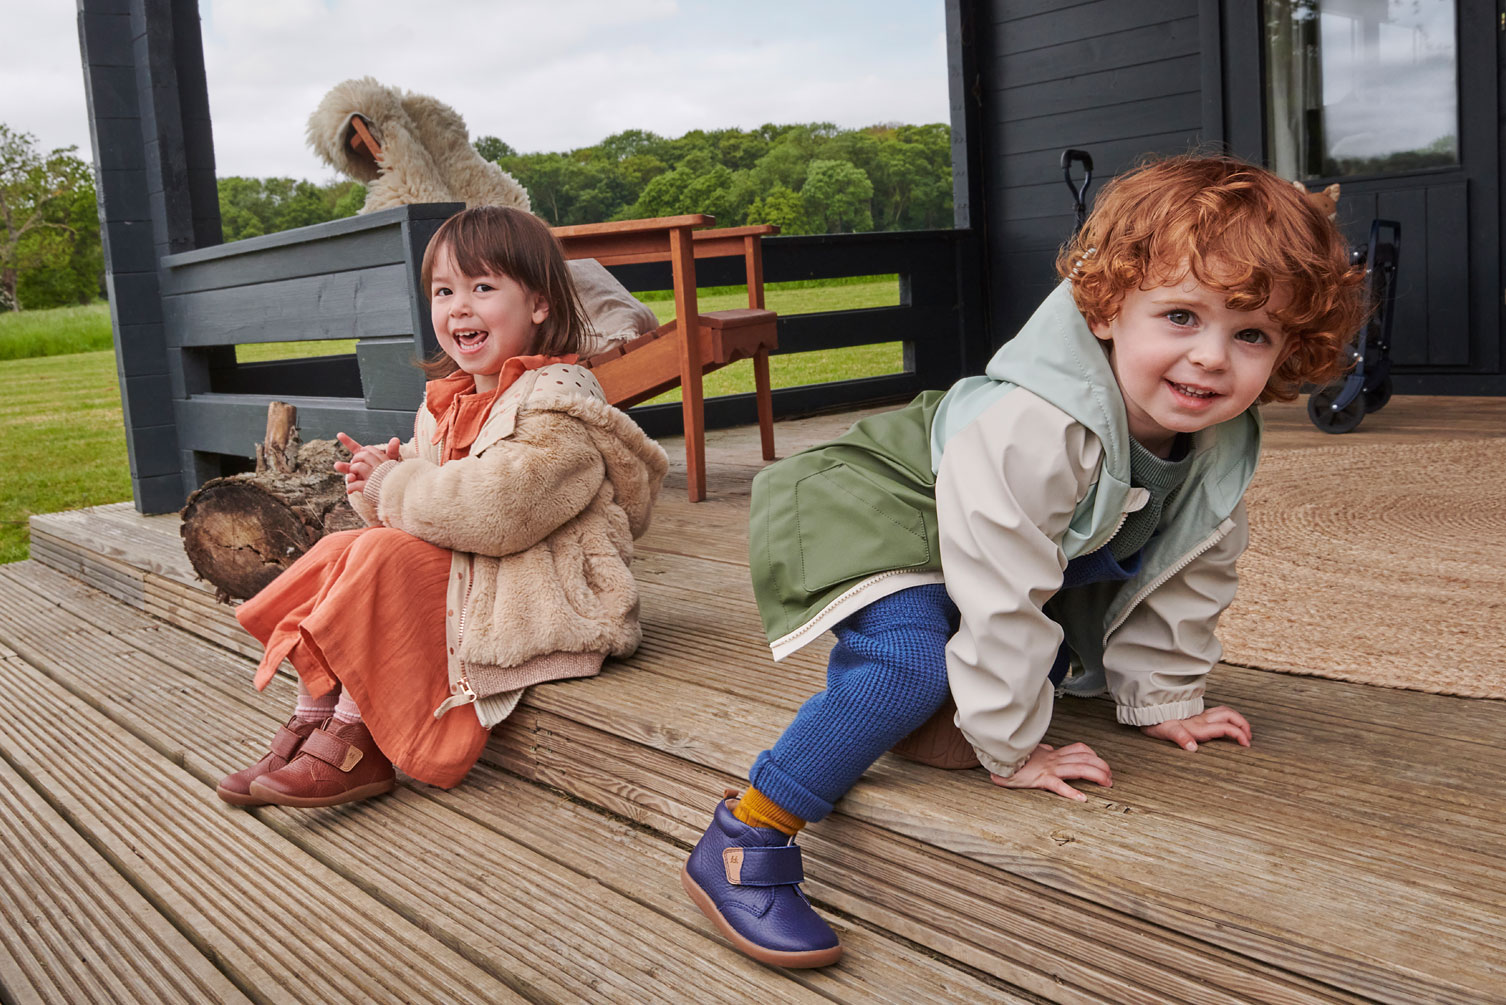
x,y
1360,86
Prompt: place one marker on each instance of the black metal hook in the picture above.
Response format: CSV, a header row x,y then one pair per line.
x,y
1079,192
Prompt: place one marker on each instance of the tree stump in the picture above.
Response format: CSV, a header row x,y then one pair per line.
x,y
242,530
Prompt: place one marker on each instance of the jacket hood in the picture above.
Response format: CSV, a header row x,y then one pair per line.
x,y
329,124
635,464
1057,357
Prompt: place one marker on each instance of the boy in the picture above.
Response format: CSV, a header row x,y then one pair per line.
x,y
1080,502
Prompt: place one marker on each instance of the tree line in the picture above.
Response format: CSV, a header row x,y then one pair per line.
x,y
810,178
50,252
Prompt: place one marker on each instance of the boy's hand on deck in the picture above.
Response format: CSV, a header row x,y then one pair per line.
x,y
1212,724
363,461
1049,768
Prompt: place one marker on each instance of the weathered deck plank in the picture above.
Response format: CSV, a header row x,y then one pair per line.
x,y
73,930
987,918
1352,854
539,910
444,892
1144,847
256,905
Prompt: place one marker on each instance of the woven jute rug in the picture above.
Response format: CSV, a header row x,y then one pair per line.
x,y
1381,564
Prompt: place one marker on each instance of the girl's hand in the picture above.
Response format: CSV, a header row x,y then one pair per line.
x,y
363,461
1049,768
1222,721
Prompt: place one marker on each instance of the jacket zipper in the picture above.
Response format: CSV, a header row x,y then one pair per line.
x,y
1145,591
461,692
1118,526
863,587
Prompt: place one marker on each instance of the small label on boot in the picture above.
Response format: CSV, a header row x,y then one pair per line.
x,y
733,859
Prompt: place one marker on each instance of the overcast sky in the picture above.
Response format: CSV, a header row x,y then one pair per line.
x,y
544,75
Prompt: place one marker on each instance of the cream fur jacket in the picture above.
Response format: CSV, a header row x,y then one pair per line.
x,y
426,149
540,519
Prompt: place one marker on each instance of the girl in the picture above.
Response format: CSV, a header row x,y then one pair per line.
x,y
498,547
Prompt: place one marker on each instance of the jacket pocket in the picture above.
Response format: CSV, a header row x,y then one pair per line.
x,y
851,526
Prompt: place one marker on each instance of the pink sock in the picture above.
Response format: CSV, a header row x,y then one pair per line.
x,y
345,709
311,709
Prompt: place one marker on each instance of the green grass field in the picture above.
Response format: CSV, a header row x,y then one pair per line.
x,y
58,332
62,442
801,367
62,439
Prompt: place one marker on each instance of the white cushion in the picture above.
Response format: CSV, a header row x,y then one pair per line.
x,y
616,315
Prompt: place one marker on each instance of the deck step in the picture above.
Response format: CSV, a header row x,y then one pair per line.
x,y
74,930
149,571
688,697
1222,876
271,917
530,889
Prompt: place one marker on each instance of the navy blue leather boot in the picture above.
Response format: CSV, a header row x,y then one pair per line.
x,y
746,880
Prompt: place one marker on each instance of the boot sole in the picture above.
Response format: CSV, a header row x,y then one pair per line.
x,y
804,960
238,798
304,802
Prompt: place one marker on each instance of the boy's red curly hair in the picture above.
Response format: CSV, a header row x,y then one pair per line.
x,y
1236,228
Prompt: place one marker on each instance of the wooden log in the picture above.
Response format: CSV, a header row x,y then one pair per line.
x,y
241,531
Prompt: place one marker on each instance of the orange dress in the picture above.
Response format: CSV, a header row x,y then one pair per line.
x,y
364,610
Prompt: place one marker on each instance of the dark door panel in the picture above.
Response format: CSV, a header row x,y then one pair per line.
x,y
1430,326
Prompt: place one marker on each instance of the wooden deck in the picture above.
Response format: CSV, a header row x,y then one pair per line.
x,y
1354,853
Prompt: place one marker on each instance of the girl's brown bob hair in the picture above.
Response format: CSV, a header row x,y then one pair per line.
x,y
514,243
1238,229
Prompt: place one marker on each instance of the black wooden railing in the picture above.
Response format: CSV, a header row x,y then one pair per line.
x,y
938,318
357,278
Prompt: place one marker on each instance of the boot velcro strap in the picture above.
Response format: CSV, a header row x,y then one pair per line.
x,y
285,743
776,866
331,750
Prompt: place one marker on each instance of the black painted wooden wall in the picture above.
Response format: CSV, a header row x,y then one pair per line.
x,y
1125,78
1118,78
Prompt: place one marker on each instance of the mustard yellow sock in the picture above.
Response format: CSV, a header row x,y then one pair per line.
x,y
758,810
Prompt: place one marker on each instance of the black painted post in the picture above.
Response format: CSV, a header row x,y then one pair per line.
x,y
967,32
143,65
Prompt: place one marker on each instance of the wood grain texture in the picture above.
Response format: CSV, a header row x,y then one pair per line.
x,y
556,901
73,929
243,896
1221,876
365,303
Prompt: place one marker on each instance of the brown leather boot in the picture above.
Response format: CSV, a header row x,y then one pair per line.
x,y
338,763
289,737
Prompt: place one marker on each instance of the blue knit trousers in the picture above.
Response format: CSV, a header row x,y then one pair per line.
x,y
886,676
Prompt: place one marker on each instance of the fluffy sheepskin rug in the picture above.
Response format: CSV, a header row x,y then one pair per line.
x,y
426,149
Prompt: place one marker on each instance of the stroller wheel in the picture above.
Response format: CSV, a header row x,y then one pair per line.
x,y
1320,409
1376,397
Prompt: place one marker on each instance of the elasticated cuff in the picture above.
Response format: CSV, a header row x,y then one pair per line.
x,y
997,767
494,708
1154,715
791,796
373,489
